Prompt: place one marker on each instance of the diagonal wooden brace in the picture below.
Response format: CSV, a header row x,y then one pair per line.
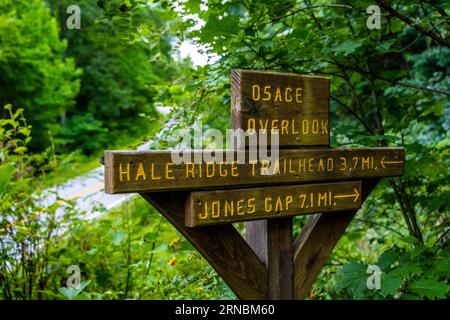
x,y
222,246
317,239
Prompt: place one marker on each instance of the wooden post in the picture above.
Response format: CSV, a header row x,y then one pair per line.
x,y
271,240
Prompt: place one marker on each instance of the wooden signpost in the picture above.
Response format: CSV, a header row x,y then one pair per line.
x,y
203,198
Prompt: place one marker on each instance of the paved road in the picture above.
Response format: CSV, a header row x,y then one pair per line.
x,y
88,190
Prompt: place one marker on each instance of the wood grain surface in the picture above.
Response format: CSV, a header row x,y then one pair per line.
x,y
226,206
295,105
140,171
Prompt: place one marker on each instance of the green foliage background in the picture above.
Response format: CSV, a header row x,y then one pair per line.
x,y
389,87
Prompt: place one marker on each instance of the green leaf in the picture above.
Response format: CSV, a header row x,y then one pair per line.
x,y
118,237
442,267
390,283
430,288
71,293
387,259
347,48
353,276
20,150
6,174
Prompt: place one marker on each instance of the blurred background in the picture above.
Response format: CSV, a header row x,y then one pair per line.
x,y
81,77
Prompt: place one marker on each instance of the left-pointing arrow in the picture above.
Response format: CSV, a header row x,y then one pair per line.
x,y
383,162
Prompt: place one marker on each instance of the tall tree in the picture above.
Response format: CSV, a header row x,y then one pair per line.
x,y
34,72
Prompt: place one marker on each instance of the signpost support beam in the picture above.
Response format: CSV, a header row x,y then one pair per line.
x,y
222,246
316,241
271,240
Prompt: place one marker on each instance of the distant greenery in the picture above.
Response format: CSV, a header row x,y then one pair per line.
x,y
35,73
77,84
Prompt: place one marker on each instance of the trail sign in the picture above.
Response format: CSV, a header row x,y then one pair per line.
x,y
225,206
139,171
295,105
201,198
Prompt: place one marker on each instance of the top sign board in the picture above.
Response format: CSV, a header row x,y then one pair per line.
x,y
295,105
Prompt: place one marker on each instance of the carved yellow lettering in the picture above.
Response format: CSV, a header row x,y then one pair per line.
x,y
324,125
365,163
298,95
305,126
126,172
288,94
284,126
265,167
229,208
278,205
322,197
274,125
251,205
315,127
278,95
267,93
289,200
302,165
215,209
268,204
240,207
190,169
276,166
200,170
251,126
310,165
253,163
169,171
154,176
263,125
140,172
223,172
330,164
205,213
320,167
255,92
293,127
291,170
210,169
234,169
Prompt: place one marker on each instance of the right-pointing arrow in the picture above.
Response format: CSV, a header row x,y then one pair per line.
x,y
355,195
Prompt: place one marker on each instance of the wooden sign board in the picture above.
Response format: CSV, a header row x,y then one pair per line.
x,y
205,208
295,105
146,171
